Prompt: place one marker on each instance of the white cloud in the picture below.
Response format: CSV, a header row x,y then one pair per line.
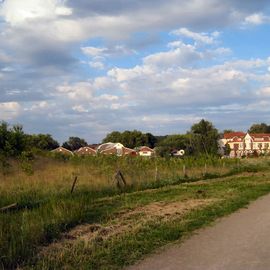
x,y
107,97
257,19
93,51
104,82
172,87
96,64
80,109
39,106
264,92
122,74
9,110
4,57
7,69
175,87
106,52
182,55
198,37
78,91
17,12
168,119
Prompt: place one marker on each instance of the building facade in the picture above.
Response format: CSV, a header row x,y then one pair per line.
x,y
117,149
63,151
145,151
86,151
245,144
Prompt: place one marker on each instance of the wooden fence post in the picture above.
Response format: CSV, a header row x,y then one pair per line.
x,y
74,183
205,169
8,207
156,172
120,180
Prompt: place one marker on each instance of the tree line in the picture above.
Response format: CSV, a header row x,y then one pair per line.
x,y
200,139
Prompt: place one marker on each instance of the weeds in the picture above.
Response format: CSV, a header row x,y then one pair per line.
x,y
45,207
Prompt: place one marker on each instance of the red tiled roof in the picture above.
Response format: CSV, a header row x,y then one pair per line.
x,y
86,150
145,148
231,135
259,135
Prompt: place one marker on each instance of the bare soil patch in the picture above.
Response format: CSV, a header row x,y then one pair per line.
x,y
126,221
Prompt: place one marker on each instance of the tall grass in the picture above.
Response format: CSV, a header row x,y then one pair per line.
x,y
50,175
45,206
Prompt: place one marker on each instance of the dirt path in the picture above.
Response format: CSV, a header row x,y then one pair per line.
x,y
240,241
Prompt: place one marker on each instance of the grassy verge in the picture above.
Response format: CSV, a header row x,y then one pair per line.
x,y
125,223
142,234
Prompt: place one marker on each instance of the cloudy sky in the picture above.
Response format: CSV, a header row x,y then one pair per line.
x,y
86,68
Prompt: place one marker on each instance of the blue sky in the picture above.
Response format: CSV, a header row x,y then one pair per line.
x,y
86,68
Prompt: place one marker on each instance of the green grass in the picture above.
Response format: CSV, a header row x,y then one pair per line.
x,y
46,209
126,248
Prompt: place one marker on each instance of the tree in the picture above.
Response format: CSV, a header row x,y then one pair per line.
x,y
74,143
204,137
227,149
41,141
12,140
228,131
131,139
259,128
150,140
171,142
113,137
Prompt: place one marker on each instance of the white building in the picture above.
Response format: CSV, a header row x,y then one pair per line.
x,y
115,149
145,151
244,144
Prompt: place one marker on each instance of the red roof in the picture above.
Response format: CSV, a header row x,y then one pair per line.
x,y
145,148
260,135
231,135
238,136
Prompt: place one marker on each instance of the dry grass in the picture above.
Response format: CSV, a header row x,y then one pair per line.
x,y
46,208
50,175
125,222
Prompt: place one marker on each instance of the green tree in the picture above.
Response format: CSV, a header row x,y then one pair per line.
x,y
204,138
113,137
41,141
150,140
228,131
12,140
227,149
74,143
131,139
12,143
171,142
259,128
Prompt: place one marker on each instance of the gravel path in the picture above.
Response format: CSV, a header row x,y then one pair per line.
x,y
240,241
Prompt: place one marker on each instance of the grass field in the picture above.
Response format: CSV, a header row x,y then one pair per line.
x,y
101,227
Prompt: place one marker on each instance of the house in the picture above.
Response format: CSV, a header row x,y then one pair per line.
x,y
63,151
117,149
110,149
94,146
129,152
145,151
177,153
86,151
244,144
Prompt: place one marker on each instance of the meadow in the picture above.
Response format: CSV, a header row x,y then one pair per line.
x,y
103,225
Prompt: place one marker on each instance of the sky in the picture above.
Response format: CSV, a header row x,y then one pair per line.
x,y
86,68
